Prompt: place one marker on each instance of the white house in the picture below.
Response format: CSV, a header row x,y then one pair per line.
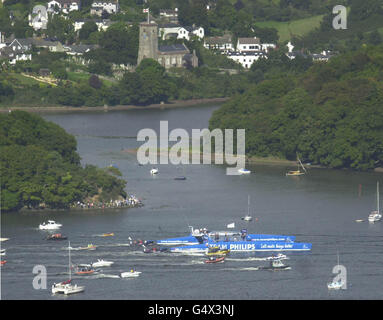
x,y
102,25
249,44
17,50
222,43
2,40
246,59
64,6
173,30
110,6
170,15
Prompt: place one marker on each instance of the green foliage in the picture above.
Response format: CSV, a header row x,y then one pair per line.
x,y
330,114
40,167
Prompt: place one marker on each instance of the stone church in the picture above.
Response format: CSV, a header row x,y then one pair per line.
x,y
176,55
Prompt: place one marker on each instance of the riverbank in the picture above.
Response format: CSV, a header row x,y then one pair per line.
x,y
168,105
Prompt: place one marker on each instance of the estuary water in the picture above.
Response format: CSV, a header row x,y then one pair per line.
x,y
320,208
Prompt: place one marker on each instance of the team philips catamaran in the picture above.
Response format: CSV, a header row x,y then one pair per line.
x,y
200,240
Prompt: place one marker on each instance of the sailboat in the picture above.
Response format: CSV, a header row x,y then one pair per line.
x,y
297,172
66,287
248,217
375,215
336,285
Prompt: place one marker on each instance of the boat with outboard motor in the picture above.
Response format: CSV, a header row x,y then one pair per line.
x,y
215,259
56,236
101,263
275,265
216,251
131,274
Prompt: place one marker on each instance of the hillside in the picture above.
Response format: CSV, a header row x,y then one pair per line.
x,y
330,114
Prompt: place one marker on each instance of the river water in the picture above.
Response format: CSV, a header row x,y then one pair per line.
x,y
320,207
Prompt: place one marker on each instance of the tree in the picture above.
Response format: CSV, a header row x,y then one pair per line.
x,y
88,28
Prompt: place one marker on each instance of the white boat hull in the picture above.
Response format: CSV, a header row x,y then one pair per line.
x,y
102,264
130,274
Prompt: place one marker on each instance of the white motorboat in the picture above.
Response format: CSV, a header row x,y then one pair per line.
x,y
2,252
244,171
276,264
66,287
4,239
279,256
375,216
231,225
50,225
335,285
247,218
101,263
130,274
154,171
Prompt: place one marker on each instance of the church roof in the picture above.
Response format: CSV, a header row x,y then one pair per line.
x,y
174,48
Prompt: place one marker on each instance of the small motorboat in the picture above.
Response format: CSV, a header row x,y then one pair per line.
x,y
154,171
276,265
107,234
84,269
2,252
130,274
50,225
180,178
244,171
4,239
215,259
247,218
101,263
57,236
335,285
359,220
89,247
217,251
3,262
279,256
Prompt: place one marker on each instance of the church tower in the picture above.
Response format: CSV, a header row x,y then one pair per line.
x,y
148,41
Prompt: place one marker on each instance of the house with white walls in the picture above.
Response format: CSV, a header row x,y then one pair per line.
x,y
110,6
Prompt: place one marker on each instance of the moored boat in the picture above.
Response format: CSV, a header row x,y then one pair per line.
x,y
154,171
375,216
244,171
3,262
297,172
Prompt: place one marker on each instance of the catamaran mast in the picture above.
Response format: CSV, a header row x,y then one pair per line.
x,y
377,196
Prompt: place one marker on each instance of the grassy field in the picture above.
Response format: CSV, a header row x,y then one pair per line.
x,y
286,30
26,81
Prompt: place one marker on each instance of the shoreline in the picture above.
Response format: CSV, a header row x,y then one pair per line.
x,y
252,160
168,105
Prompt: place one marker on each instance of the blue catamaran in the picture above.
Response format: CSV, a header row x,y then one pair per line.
x,y
200,240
